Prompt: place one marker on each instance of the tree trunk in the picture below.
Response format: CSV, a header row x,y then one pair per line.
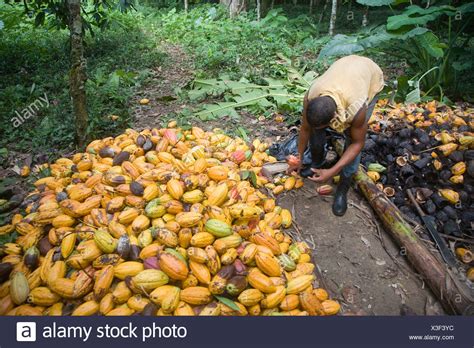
x,y
364,17
186,6
452,293
322,12
77,75
332,21
258,10
310,7
234,6
265,6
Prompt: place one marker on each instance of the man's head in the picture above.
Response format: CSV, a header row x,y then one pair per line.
x,y
320,111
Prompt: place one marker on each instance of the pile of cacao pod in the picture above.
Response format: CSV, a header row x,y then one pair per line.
x,y
158,222
428,148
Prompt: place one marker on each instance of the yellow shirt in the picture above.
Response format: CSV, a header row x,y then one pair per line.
x,y
351,82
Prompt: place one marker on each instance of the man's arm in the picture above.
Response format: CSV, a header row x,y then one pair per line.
x,y
305,130
358,133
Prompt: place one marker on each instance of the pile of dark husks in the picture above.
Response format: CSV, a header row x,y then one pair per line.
x,y
430,149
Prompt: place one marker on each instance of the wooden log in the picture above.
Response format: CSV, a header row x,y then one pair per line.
x,y
452,292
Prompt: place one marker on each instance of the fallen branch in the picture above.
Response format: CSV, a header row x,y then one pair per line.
x,y
453,294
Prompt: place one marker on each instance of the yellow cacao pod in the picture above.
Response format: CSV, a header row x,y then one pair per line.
x,y
268,264
188,219
150,279
196,295
42,296
260,281
298,284
128,268
250,297
173,266
19,288
274,299
331,307
105,241
86,309
310,303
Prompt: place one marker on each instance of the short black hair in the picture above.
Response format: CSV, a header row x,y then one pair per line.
x,y
320,111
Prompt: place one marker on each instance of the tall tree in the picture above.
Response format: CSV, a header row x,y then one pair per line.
x,y
365,20
234,6
77,75
332,20
69,14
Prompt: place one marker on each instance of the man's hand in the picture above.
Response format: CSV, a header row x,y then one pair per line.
x,y
294,163
322,175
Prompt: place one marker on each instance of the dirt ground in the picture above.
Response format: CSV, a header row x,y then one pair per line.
x,y
359,262
360,265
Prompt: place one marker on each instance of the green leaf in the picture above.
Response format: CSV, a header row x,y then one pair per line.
x,y
253,178
243,134
341,45
466,8
8,238
414,96
430,43
415,15
244,174
228,302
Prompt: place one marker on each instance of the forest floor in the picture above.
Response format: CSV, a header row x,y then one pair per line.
x,y
361,265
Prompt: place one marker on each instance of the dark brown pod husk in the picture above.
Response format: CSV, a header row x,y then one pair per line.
x,y
445,174
456,156
467,217
120,158
469,155
150,310
405,133
227,271
134,252
399,198
141,140
57,254
422,163
439,201
31,258
107,152
429,207
236,285
470,168
5,270
407,170
136,188
44,246
148,145
61,196
68,308
451,212
442,216
123,246
452,228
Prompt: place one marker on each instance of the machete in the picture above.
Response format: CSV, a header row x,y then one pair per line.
x,y
430,225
